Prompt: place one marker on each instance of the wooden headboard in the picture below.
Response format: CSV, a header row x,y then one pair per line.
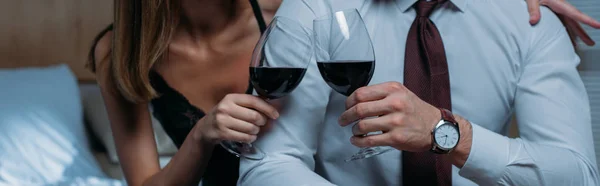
x,y
47,32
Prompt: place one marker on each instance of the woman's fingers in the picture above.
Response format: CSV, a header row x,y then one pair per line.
x,y
228,122
248,115
570,31
571,17
569,14
253,102
576,27
243,126
533,6
579,32
232,135
564,8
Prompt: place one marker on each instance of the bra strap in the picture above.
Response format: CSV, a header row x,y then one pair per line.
x,y
262,25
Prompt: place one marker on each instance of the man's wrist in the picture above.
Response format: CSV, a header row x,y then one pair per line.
x,y
460,154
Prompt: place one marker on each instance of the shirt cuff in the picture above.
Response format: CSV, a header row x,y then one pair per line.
x,y
488,157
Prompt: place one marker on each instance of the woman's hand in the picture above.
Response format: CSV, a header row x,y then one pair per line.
x,y
238,117
568,14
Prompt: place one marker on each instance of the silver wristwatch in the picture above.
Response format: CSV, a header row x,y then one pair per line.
x,y
446,133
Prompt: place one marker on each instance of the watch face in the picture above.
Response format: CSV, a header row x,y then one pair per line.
x,y
446,136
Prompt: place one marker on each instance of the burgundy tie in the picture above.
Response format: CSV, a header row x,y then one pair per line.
x,y
426,75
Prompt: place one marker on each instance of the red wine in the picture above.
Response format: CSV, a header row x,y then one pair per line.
x,y
273,83
345,76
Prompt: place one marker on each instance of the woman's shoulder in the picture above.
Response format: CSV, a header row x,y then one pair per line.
x,y
99,58
270,6
100,50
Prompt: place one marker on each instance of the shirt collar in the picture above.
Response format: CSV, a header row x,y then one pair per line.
x,y
405,5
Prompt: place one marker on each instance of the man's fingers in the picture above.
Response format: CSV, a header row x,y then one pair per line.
x,y
371,140
365,94
366,126
365,110
372,93
533,6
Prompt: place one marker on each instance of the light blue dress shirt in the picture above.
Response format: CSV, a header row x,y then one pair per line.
x,y
499,65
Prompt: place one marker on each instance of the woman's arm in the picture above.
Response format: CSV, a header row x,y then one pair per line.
x,y
134,137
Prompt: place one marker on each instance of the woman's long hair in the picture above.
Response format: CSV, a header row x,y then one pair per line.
x,y
141,35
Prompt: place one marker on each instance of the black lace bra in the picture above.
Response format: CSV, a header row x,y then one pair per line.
x,y
177,117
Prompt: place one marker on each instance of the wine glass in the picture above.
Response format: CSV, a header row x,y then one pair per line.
x,y
278,65
345,58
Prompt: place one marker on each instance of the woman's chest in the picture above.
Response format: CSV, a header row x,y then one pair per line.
x,y
205,81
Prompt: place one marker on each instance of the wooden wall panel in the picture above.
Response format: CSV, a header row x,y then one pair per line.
x,y
45,32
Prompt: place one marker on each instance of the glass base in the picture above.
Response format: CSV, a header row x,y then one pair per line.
x,y
368,152
243,150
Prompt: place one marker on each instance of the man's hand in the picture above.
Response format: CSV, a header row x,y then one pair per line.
x,y
406,120
568,14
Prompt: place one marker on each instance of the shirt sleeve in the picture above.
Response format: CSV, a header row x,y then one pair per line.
x,y
291,141
553,115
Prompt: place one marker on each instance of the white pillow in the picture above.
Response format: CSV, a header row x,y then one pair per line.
x,y
42,135
97,117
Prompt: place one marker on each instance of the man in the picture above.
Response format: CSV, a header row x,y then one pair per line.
x,y
498,64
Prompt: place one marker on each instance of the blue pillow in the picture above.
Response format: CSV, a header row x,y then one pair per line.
x,y
42,134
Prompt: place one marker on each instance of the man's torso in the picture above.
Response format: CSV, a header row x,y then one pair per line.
x,y
485,44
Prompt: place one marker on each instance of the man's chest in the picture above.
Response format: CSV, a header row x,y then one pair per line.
x,y
484,65
483,71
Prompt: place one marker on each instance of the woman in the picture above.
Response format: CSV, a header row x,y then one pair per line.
x,y
189,60
193,54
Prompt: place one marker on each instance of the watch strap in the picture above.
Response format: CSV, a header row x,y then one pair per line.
x,y
448,116
439,151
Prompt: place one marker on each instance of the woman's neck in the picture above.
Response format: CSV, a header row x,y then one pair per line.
x,y
203,18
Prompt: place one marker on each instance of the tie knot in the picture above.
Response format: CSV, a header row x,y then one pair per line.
x,y
425,8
